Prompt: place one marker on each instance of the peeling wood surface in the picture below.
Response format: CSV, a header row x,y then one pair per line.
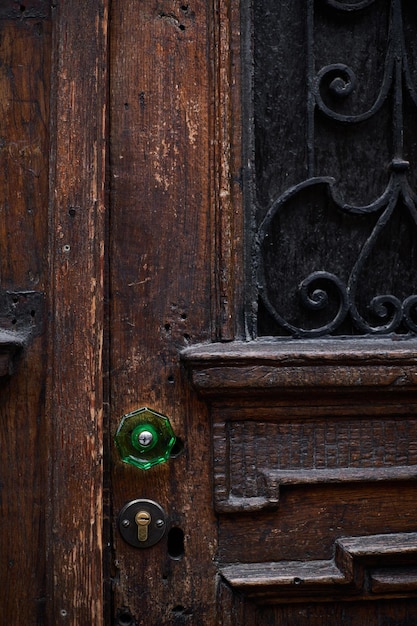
x,y
74,386
275,485
160,282
226,168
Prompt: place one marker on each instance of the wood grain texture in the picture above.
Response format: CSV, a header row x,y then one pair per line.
x,y
227,202
249,368
310,520
312,442
74,386
24,112
254,459
398,612
154,177
160,252
348,574
392,579
345,525
391,611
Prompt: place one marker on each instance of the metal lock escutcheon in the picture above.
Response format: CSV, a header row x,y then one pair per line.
x,y
142,523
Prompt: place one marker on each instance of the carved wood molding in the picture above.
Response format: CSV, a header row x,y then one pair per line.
x,y
255,459
267,367
289,413
368,567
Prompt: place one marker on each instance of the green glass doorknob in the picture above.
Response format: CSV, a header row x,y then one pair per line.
x,y
144,438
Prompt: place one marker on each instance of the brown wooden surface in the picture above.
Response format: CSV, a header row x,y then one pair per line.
x,y
313,441
398,612
24,112
75,383
295,490
356,569
226,167
262,367
160,255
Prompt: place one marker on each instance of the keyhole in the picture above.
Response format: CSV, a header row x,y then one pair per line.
x,y
176,543
124,618
143,519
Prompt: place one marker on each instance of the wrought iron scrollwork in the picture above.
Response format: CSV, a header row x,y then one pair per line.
x,y
330,300
349,6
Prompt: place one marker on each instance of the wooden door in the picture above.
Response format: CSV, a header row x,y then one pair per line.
x,y
230,243
299,436
53,109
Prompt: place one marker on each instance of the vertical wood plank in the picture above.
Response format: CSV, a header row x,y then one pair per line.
x,y
77,227
24,112
160,250
224,44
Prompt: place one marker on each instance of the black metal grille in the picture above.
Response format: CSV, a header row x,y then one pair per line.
x,y
333,150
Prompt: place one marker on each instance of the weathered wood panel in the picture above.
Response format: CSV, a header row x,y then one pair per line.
x,y
314,453
160,253
401,613
24,112
75,383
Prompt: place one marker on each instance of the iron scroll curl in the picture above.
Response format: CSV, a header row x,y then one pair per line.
x,y
328,298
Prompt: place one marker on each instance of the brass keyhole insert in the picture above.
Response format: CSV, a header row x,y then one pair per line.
x,y
143,519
